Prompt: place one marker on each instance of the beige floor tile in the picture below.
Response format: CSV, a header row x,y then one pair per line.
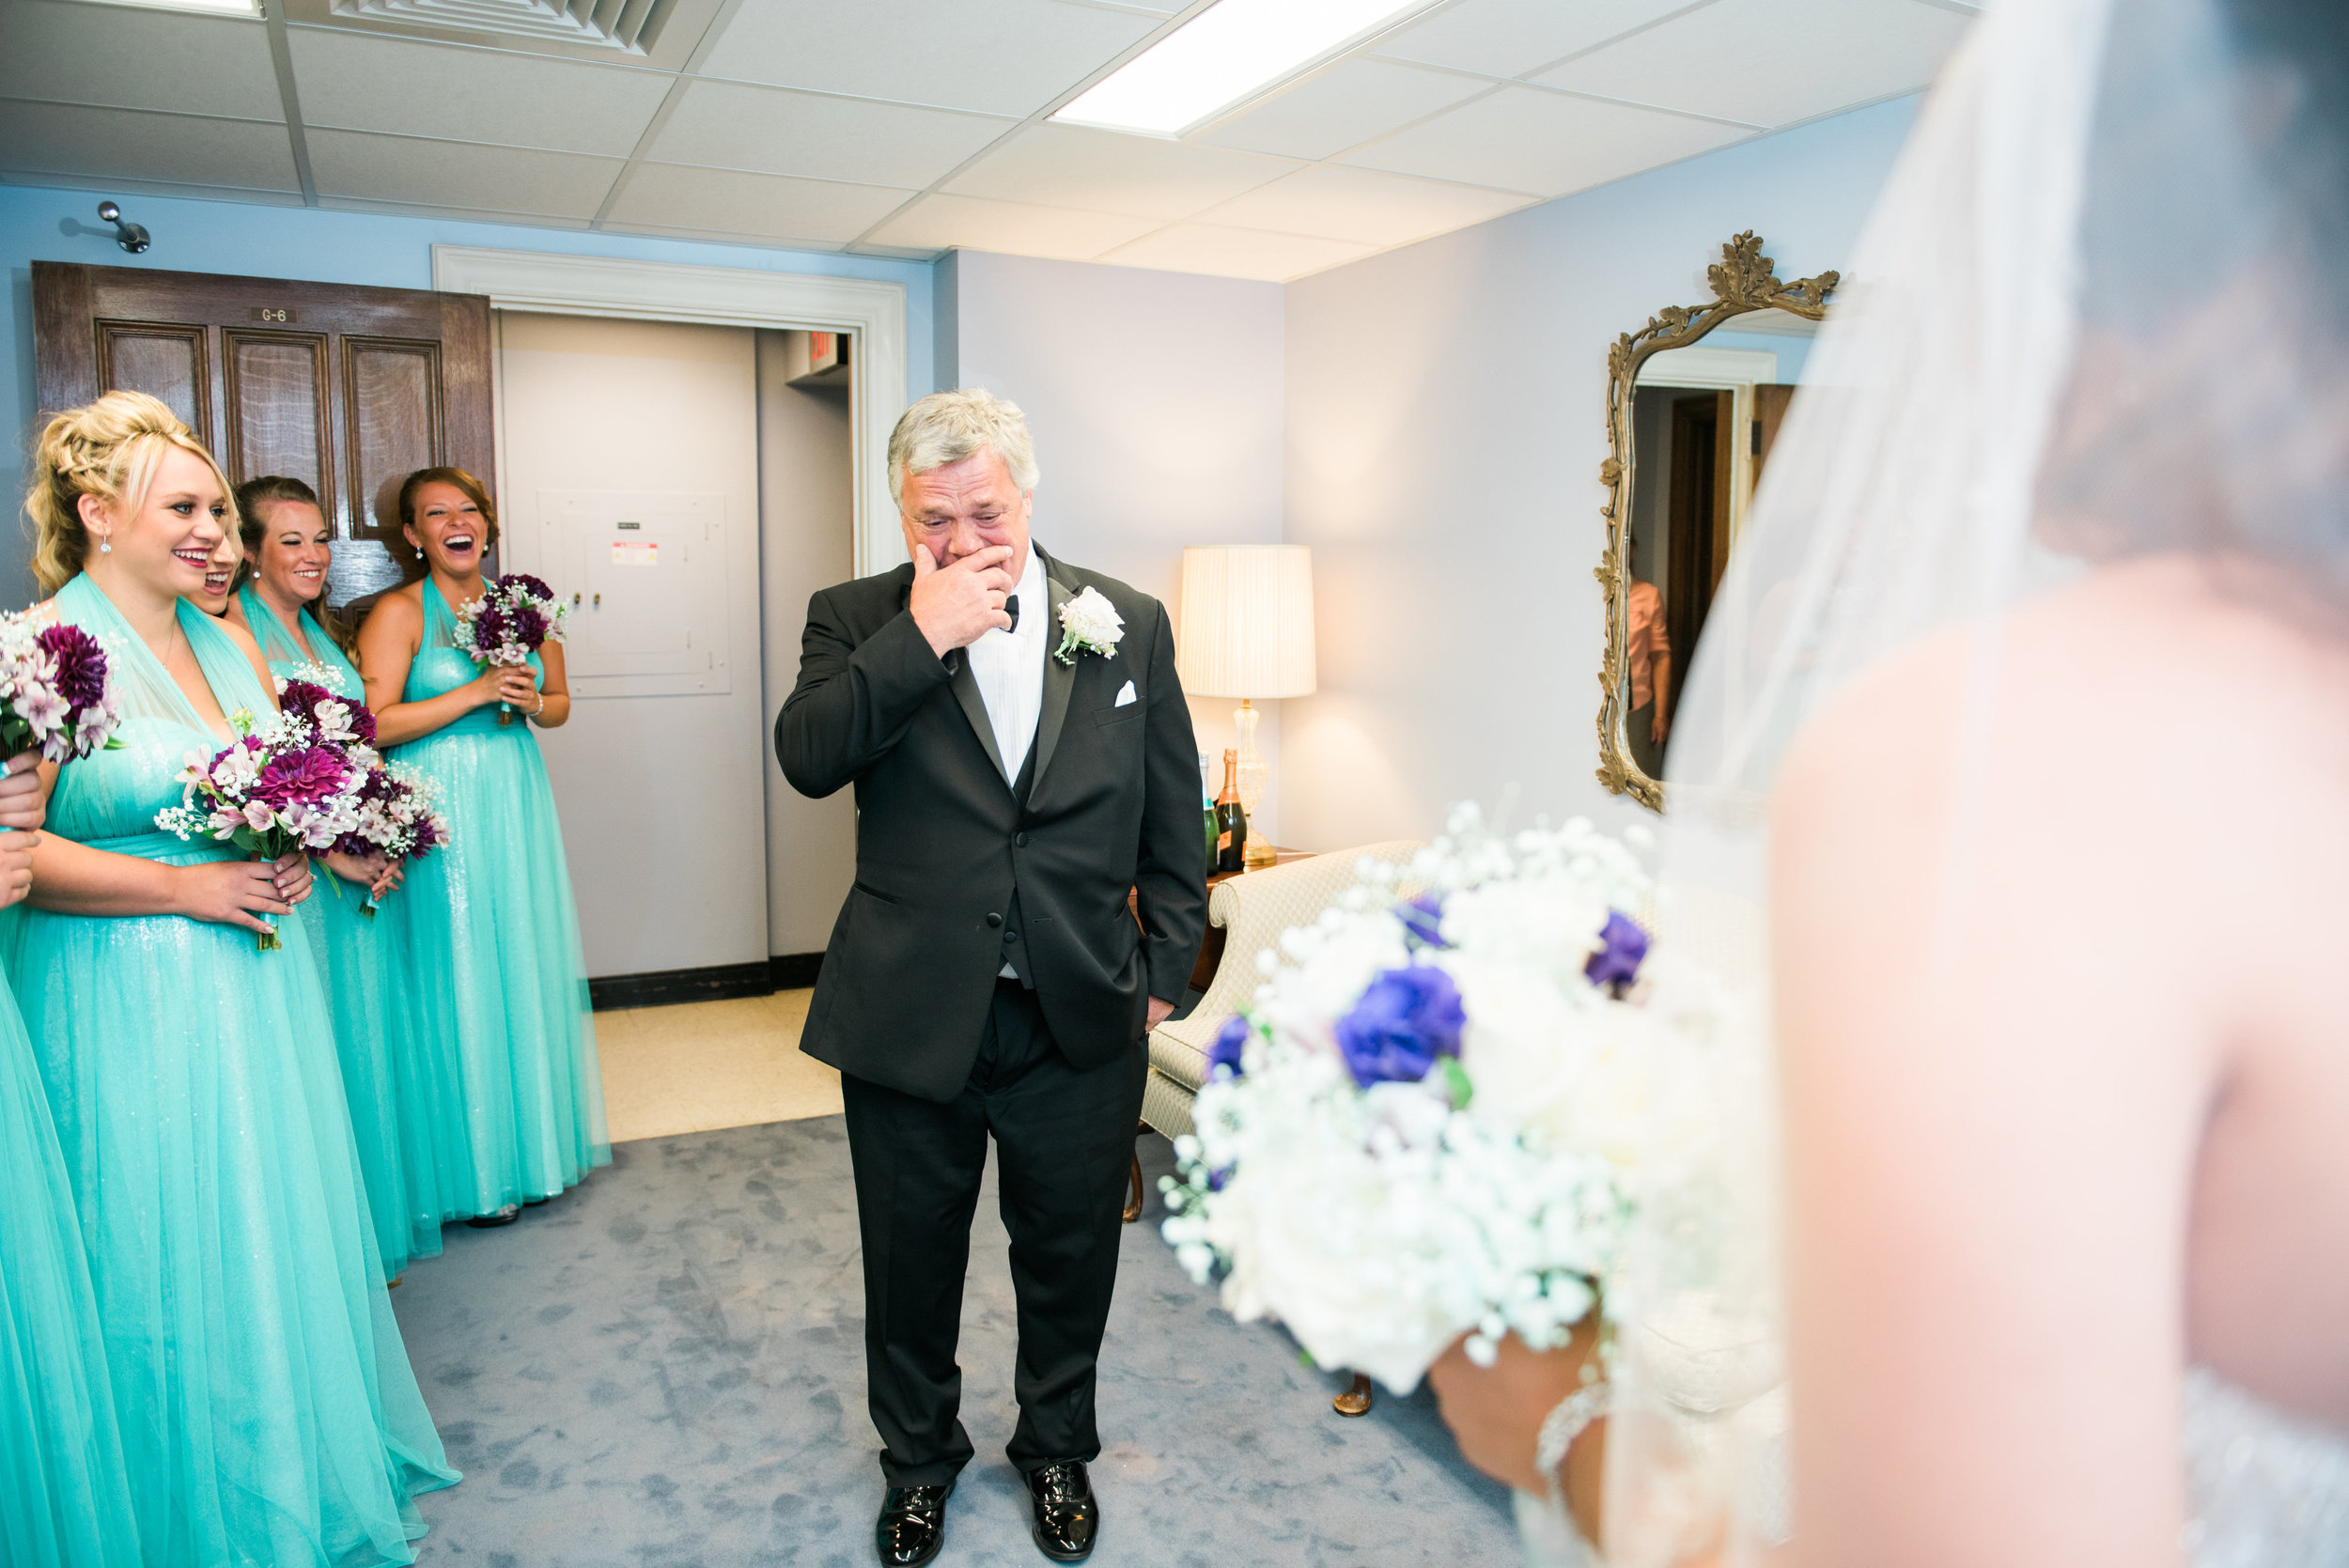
x,y
708,1064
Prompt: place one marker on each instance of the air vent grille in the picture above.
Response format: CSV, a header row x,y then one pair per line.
x,y
632,27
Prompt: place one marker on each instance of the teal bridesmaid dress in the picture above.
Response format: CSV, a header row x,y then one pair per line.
x,y
492,941
266,1410
64,1496
362,966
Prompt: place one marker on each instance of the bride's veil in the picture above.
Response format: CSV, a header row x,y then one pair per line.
x,y
2099,311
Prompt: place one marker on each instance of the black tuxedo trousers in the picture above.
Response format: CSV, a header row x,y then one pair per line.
x,y
1063,1138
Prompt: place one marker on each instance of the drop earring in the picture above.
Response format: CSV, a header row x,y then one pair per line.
x,y
104,547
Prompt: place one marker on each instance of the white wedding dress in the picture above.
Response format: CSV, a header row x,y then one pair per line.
x,y
2267,1489
2086,173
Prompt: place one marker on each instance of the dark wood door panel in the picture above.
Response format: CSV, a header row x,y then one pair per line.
x,y
347,387
276,401
166,361
393,405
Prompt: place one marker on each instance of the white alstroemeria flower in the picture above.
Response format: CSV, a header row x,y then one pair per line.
x,y
1089,622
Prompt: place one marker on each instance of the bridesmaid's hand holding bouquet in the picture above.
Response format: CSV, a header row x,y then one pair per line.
x,y
515,617
397,823
284,786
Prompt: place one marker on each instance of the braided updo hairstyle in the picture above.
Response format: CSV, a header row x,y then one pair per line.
x,y
109,448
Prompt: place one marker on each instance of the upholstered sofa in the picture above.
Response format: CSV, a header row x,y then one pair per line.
x,y
1251,910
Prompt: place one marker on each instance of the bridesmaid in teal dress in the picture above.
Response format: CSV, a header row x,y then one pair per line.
x,y
491,933
288,548
64,1496
266,1406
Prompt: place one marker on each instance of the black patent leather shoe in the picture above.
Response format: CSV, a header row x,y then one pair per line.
x,y
1066,1518
913,1524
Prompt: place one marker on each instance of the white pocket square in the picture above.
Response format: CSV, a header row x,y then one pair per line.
x,y
1125,695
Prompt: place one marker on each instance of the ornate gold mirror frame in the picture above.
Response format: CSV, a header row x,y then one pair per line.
x,y
1743,280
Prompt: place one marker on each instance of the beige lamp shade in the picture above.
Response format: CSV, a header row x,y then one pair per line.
x,y
1247,621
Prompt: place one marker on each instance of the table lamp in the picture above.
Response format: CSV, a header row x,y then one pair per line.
x,y
1247,631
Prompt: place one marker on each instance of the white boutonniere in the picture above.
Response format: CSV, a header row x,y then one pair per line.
x,y
1090,622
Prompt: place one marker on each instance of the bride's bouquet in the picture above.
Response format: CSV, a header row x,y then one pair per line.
x,y
56,696
1427,1124
397,819
288,784
514,617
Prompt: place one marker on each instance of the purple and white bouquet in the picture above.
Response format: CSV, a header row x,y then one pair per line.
x,y
288,784
398,819
56,696
515,616
1430,1122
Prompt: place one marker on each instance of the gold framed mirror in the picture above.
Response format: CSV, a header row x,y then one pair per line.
x,y
1705,420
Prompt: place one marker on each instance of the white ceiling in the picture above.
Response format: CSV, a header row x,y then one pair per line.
x,y
910,127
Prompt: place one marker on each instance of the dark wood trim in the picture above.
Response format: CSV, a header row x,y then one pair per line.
x,y
66,345
667,988
794,972
785,971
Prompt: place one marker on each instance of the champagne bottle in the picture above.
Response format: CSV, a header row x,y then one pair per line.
x,y
1231,837
1207,810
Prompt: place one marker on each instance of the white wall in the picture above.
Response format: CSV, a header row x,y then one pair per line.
x,y
806,522
663,815
1445,419
1155,403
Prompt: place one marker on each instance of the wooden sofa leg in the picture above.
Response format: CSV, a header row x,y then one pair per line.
x,y
1356,1400
1133,1192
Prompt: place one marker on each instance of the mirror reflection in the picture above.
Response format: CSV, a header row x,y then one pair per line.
x,y
1703,422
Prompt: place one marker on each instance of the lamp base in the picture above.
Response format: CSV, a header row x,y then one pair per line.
x,y
1258,855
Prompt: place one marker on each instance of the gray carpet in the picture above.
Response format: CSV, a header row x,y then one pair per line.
x,y
664,1368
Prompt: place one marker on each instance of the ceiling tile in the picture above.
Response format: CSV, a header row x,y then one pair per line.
x,y
1067,165
1742,60
1356,100
465,215
351,81
724,237
425,173
1233,253
130,185
760,204
61,139
943,223
1509,37
134,57
1524,139
772,131
1338,203
998,57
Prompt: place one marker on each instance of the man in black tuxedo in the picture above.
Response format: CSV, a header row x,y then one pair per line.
x,y
986,976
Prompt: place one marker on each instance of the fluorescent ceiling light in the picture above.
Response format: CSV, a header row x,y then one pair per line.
x,y
210,8
1227,54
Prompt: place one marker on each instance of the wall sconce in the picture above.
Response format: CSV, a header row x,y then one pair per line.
x,y
131,237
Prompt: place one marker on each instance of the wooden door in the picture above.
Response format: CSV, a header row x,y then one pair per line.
x,y
348,388
1770,414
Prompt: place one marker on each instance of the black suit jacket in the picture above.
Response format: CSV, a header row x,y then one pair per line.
x,y
942,845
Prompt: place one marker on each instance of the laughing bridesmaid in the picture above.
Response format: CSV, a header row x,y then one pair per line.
x,y
266,1406
288,550
491,933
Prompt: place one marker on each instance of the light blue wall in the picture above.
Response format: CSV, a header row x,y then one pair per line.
x,y
39,224
1444,424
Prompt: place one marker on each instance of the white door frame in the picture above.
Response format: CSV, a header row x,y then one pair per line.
x,y
875,311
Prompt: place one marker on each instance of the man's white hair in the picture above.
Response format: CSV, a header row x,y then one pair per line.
x,y
947,426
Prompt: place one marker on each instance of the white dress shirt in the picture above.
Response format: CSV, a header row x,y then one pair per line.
x,y
1009,668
